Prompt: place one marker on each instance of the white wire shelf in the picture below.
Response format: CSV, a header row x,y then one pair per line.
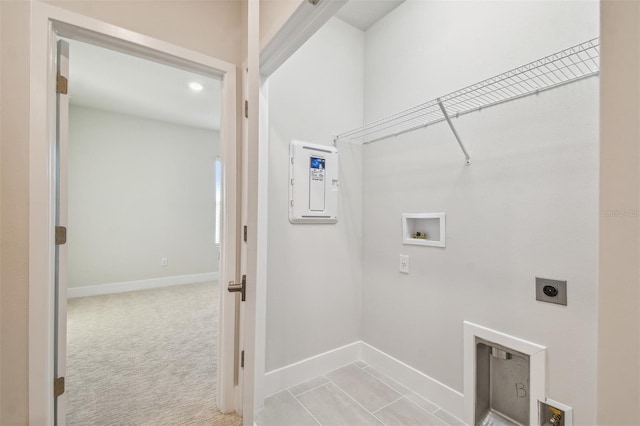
x,y
564,67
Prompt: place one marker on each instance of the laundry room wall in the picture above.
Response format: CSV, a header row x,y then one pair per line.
x,y
527,206
314,275
139,190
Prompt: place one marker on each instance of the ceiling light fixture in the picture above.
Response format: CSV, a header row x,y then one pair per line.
x,y
195,86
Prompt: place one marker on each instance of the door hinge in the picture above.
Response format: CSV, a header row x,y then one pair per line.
x,y
62,84
246,109
245,234
61,235
242,359
58,387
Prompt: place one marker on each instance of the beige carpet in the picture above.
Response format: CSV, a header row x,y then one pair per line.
x,y
144,358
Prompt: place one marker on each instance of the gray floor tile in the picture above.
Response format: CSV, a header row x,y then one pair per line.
x,y
424,403
331,406
406,413
363,387
282,409
448,418
387,381
361,364
308,385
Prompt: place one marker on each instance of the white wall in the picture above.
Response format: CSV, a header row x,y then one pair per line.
x,y
526,207
139,190
314,276
424,49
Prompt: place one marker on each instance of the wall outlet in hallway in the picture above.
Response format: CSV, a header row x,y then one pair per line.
x,y
404,263
164,262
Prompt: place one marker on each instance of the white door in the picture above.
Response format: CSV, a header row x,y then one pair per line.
x,y
244,221
62,138
246,304
240,286
249,198
240,299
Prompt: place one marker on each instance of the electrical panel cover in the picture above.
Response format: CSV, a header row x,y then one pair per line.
x,y
313,183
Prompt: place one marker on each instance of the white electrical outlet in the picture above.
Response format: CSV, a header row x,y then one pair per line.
x,y
164,262
404,263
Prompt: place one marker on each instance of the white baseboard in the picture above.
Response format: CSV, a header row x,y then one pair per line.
x,y
440,394
121,287
301,371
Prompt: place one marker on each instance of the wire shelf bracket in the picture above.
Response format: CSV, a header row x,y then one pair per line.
x,y
455,133
567,66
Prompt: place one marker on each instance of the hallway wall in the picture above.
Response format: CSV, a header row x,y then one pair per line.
x,y
14,202
210,27
213,28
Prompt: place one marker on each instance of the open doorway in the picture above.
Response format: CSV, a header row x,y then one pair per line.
x,y
144,202
47,195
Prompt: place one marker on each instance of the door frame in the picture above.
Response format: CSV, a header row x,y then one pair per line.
x,y
46,23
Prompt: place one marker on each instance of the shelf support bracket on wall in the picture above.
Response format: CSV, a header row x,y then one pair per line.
x,y
455,133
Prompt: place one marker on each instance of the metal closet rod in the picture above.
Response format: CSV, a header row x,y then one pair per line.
x,y
566,66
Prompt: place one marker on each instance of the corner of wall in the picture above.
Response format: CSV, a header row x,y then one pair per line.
x,y
362,182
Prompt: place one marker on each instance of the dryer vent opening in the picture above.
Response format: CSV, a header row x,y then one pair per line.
x,y
502,385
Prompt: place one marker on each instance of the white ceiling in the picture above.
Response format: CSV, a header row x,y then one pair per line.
x,y
364,13
113,81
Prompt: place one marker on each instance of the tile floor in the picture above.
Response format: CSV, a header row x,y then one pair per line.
x,y
354,395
